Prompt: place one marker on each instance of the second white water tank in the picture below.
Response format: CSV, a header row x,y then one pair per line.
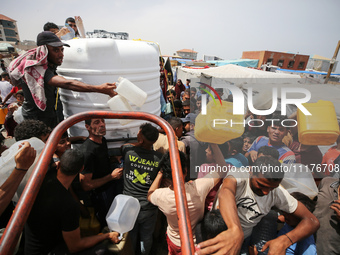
x,y
99,60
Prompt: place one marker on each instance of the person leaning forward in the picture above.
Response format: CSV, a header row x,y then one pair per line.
x,y
40,91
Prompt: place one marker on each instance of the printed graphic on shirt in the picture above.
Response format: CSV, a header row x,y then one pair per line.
x,y
251,205
140,170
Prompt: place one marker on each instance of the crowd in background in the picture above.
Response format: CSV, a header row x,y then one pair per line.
x,y
231,212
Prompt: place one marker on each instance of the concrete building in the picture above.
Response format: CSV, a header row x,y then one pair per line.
x,y
8,30
321,64
186,53
281,59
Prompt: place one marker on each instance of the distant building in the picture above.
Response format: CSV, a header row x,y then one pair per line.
x,y
8,30
211,58
280,59
321,64
189,54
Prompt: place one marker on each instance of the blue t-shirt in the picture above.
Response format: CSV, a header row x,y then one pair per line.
x,y
286,155
304,247
237,160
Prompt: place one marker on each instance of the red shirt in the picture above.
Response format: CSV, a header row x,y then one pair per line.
x,y
14,90
330,156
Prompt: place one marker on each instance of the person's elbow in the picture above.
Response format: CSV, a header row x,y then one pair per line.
x,y
86,185
312,222
149,196
315,224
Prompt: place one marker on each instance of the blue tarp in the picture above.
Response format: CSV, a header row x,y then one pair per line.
x,y
239,62
308,72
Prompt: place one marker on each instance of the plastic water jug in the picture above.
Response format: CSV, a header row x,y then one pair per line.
x,y
7,163
131,92
17,115
218,124
320,128
69,35
299,179
122,214
119,103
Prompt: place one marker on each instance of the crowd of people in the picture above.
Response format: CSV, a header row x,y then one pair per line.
x,y
231,212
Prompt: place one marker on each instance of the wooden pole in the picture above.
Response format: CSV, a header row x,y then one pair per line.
x,y
332,62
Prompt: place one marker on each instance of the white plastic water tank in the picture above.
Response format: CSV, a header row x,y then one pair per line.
x,y
99,60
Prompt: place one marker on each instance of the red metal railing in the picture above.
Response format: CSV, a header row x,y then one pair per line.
x,y
24,206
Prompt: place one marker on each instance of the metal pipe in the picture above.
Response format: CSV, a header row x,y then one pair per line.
x,y
24,206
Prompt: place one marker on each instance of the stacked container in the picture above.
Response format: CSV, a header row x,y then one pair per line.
x,y
100,60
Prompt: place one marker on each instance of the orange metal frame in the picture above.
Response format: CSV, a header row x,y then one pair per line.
x,y
24,206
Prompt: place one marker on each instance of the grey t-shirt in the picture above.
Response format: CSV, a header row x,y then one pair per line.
x,y
328,235
140,170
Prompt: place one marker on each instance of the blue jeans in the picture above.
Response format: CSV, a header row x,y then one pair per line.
x,y
144,226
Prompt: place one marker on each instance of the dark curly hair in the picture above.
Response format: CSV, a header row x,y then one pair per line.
x,y
149,132
31,128
165,164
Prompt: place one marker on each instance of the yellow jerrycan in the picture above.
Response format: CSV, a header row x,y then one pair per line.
x,y
320,128
219,124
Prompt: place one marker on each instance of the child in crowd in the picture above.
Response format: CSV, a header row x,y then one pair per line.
x,y
248,139
235,156
212,161
63,145
10,123
196,191
212,224
268,151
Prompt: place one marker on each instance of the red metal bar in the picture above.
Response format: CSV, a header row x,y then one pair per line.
x,y
24,206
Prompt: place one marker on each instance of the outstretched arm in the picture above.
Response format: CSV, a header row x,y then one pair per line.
x,y
76,243
24,159
307,226
6,98
61,82
87,183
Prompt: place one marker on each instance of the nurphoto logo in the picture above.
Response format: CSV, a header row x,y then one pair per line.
x,y
239,103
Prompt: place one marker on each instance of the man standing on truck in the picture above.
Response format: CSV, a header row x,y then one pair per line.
x,y
97,176
140,170
35,71
53,224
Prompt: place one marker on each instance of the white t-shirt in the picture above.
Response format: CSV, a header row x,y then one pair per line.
x,y
196,193
252,208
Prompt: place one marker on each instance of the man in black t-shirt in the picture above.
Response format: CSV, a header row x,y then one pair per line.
x,y
140,170
53,224
26,71
97,176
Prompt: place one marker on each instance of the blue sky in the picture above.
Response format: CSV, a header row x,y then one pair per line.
x,y
219,27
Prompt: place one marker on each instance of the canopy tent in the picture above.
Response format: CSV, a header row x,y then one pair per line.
x,y
261,83
233,74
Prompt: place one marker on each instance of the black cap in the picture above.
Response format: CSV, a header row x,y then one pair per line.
x,y
191,117
49,38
